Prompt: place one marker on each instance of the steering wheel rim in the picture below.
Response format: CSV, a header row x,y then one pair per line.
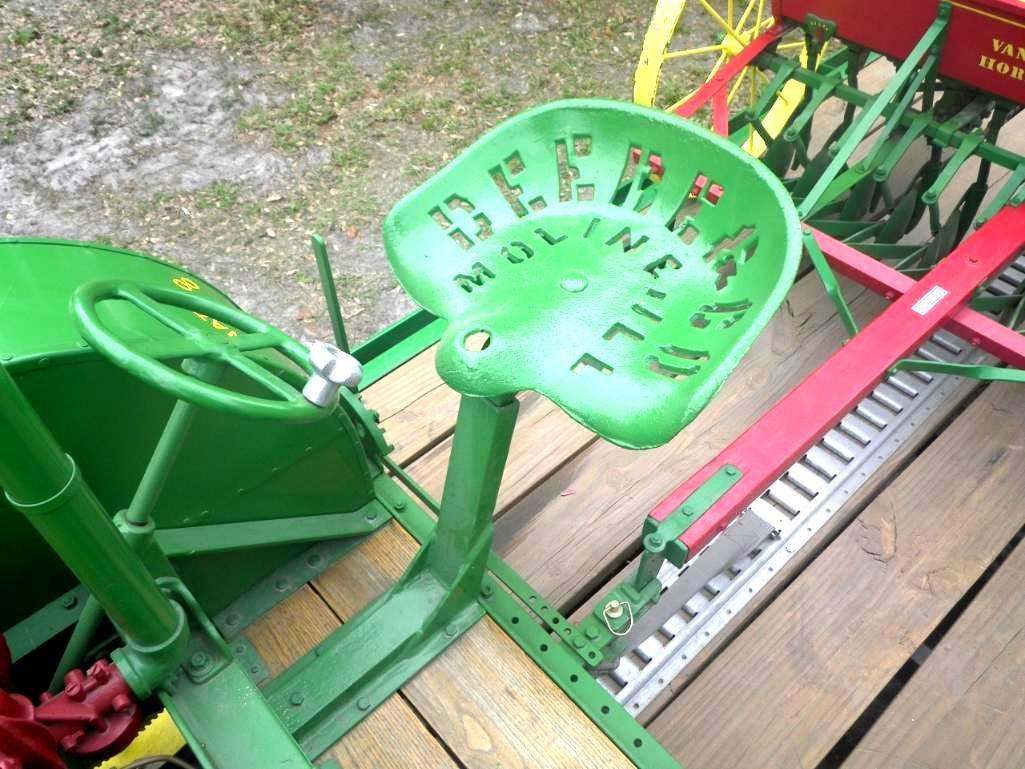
x,y
146,363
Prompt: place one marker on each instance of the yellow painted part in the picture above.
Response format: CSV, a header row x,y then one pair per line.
x,y
160,737
653,56
656,43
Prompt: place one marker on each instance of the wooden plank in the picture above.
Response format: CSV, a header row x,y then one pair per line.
x,y
392,735
544,440
794,681
582,524
964,706
483,696
417,409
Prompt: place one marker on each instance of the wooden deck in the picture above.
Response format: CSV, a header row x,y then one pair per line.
x,y
894,639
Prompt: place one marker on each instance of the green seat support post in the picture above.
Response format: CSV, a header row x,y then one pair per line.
x,y
618,260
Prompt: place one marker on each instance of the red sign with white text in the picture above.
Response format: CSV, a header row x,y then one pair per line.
x,y
985,44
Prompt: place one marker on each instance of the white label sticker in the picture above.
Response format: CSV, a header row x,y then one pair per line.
x,y
930,299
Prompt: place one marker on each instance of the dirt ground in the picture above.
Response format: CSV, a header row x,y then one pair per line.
x,y
220,135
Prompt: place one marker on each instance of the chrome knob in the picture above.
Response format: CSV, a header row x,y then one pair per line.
x,y
332,368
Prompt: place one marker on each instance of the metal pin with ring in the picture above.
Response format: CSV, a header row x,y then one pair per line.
x,y
614,610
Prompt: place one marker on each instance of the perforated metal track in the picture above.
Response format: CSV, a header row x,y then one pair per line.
x,y
795,506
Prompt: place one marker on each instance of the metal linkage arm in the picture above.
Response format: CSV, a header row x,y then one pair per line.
x,y
45,485
772,444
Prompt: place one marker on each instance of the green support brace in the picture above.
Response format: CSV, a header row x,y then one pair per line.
x,y
859,130
332,688
44,484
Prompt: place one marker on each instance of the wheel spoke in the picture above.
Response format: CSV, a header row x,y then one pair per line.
x,y
258,341
734,88
729,11
721,21
152,308
694,51
747,12
260,375
790,46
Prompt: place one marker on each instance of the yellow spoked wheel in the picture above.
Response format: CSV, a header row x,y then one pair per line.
x,y
660,71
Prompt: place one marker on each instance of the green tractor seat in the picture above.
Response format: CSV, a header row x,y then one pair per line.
x,y
618,260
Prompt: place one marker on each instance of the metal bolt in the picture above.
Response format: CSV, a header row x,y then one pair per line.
x,y
371,515
614,609
314,560
592,633
731,471
655,540
281,584
363,703
255,669
451,631
400,504
7,356
69,601
198,661
296,699
578,643
233,619
487,591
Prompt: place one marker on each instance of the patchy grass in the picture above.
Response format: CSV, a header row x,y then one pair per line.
x,y
363,99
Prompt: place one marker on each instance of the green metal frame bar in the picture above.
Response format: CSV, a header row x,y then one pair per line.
x,y
927,46
327,284
548,645
213,684
361,664
397,344
980,372
829,281
44,484
942,134
245,535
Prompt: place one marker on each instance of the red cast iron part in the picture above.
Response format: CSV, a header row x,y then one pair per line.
x,y
24,742
96,712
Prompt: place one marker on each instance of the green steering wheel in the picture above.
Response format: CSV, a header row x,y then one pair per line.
x,y
145,359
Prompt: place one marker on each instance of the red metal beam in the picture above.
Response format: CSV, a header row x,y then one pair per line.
x,y
972,326
728,70
803,416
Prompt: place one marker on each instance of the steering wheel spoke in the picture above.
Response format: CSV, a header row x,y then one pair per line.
x,y
257,373
136,297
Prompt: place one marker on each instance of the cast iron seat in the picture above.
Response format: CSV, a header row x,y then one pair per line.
x,y
618,260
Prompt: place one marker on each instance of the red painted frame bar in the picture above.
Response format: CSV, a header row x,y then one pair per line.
x,y
972,326
727,72
804,415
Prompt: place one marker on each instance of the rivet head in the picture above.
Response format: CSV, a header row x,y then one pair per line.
x,y
363,703
281,584
296,699
731,471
